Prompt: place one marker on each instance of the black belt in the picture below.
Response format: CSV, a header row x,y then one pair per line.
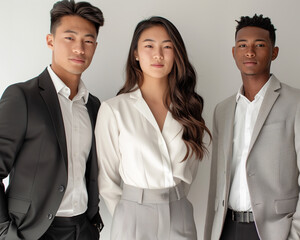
x,y
69,221
242,217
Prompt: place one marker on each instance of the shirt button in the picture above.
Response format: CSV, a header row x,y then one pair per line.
x,y
61,188
50,216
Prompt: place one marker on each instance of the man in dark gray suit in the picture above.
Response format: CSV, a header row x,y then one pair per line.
x,y
254,186
47,143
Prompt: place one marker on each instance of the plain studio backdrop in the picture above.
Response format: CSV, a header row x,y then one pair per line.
x,y
207,27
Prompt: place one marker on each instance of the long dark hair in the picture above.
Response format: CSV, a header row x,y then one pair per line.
x,y
187,105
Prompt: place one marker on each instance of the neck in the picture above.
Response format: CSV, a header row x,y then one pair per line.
x,y
154,89
71,80
253,84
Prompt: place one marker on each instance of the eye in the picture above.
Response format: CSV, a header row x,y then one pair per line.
x,y
168,47
89,42
148,46
242,45
260,45
69,38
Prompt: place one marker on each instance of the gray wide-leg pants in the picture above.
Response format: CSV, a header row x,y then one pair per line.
x,y
153,214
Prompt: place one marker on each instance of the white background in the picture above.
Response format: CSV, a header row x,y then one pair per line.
x,y
207,27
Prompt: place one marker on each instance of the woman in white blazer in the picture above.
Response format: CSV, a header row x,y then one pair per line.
x,y
150,139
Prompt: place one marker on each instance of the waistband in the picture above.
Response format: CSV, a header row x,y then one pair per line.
x,y
69,221
141,195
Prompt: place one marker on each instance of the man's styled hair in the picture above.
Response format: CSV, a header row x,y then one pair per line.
x,y
257,21
81,9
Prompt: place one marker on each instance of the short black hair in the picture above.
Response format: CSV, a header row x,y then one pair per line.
x,y
81,9
257,21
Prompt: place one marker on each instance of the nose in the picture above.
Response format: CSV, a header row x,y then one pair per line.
x,y
78,48
250,52
158,54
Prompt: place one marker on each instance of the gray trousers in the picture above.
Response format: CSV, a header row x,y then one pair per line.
x,y
153,214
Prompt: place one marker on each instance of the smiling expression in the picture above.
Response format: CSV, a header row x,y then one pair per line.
x,y
73,45
253,52
155,53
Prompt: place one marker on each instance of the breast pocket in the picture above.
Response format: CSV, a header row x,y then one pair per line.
x,y
284,206
274,126
18,209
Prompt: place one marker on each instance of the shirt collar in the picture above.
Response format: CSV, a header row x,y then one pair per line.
x,y
261,93
63,89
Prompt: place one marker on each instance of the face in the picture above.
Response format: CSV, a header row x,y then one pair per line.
x,y
253,52
73,45
155,53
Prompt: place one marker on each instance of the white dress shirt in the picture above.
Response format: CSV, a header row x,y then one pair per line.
x,y
244,120
131,148
78,132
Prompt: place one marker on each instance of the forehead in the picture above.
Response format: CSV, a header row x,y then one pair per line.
x,y
76,24
250,33
155,33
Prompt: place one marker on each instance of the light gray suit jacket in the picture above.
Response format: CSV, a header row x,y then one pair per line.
x,y
272,165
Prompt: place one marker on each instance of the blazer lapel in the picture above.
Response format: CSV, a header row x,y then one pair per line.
x,y
143,108
266,106
92,113
171,127
49,95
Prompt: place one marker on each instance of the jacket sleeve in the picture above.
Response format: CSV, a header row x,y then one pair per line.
x,y
295,226
107,140
210,213
13,121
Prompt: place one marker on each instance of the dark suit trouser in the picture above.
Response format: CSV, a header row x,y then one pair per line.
x,y
238,231
74,228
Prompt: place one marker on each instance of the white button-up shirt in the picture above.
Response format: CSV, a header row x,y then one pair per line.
x,y
131,148
245,117
78,130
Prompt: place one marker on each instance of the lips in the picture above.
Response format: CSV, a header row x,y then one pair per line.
x,y
249,63
157,65
77,60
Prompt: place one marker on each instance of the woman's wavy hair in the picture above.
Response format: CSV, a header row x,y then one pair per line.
x,y
187,105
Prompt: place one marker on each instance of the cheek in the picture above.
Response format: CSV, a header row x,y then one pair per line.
x,y
143,66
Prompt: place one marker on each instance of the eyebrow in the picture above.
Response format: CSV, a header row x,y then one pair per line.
x,y
86,35
256,40
151,40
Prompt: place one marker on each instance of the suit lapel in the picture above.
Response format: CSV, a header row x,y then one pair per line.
x,y
171,127
143,108
49,95
266,106
91,112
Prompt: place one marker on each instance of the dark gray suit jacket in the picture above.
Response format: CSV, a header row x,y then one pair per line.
x,y
33,151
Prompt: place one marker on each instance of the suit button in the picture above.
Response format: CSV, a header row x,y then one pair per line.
x,y
61,188
223,203
50,216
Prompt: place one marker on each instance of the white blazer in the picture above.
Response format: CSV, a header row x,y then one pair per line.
x,y
131,148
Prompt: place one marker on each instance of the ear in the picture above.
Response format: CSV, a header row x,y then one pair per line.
x,y
275,53
49,40
233,51
136,55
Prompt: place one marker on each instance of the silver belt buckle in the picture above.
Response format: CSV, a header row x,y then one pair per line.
x,y
247,214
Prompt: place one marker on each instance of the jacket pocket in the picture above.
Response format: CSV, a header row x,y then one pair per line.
x,y
17,209
283,206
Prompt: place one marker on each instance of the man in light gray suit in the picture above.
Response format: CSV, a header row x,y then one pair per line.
x,y
254,188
